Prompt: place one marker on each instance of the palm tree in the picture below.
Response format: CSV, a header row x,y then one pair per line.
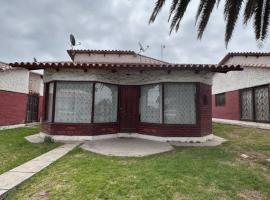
x,y
256,10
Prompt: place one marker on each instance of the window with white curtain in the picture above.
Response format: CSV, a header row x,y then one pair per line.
x,y
73,102
49,102
150,103
106,99
179,103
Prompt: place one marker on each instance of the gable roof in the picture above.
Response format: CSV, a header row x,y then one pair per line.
x,y
232,54
115,66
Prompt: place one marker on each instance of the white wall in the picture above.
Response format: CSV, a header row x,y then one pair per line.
x,y
249,60
113,58
16,80
236,80
121,76
36,83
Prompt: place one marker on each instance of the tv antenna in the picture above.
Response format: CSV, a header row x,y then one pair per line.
x,y
143,49
162,47
73,41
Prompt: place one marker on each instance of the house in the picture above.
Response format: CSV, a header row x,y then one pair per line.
x,y
21,93
243,95
111,93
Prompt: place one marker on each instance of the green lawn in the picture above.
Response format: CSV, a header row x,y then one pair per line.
x,y
15,150
185,173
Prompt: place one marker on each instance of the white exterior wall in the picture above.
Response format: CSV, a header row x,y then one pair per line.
x,y
113,58
249,60
16,80
249,77
36,84
134,78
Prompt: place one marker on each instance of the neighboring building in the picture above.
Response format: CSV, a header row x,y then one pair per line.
x,y
21,94
102,94
243,95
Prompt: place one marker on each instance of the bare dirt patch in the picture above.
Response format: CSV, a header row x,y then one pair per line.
x,y
43,195
252,195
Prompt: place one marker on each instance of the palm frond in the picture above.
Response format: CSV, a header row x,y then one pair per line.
x,y
173,8
249,10
265,24
204,16
231,13
179,13
257,24
157,9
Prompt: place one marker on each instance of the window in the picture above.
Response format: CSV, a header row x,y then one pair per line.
x,y
220,99
105,109
179,103
150,104
73,102
49,102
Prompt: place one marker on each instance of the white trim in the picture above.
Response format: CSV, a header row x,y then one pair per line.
x,y
64,138
12,126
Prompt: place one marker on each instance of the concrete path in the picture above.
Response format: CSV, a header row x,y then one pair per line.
x,y
127,147
36,139
243,123
11,179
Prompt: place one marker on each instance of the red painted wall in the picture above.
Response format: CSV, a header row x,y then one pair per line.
x,y
12,108
231,110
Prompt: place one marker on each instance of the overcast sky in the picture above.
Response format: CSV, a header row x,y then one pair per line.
x,y
41,28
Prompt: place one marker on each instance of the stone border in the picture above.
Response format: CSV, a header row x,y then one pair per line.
x,y
64,138
18,126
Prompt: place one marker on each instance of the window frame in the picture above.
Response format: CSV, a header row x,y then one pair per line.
x,y
223,103
93,102
196,84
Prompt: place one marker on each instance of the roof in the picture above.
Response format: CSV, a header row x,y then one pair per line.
x,y
140,66
231,54
4,66
72,52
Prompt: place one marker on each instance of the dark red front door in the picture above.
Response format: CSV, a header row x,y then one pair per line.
x,y
129,108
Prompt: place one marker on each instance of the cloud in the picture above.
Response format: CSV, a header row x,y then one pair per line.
x,y
41,29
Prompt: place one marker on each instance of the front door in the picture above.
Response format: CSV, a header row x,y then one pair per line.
x,y
129,108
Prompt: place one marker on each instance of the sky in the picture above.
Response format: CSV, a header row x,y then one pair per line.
x,y
41,28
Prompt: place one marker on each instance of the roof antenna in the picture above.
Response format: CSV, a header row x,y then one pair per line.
x,y
73,41
162,47
35,60
143,49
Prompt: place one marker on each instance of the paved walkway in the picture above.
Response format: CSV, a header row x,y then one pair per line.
x,y
243,123
11,179
127,147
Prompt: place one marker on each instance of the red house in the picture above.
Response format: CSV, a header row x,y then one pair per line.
x,y
104,94
243,95
21,94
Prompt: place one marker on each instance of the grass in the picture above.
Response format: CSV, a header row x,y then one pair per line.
x,y
15,150
185,173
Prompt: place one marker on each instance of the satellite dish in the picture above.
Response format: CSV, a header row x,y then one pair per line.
x,y
142,49
35,60
72,40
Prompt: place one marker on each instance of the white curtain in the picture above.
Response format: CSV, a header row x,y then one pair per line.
x,y
73,102
49,103
179,103
150,103
106,99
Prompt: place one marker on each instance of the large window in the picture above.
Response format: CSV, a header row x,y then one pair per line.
x,y
106,97
179,103
150,104
73,102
